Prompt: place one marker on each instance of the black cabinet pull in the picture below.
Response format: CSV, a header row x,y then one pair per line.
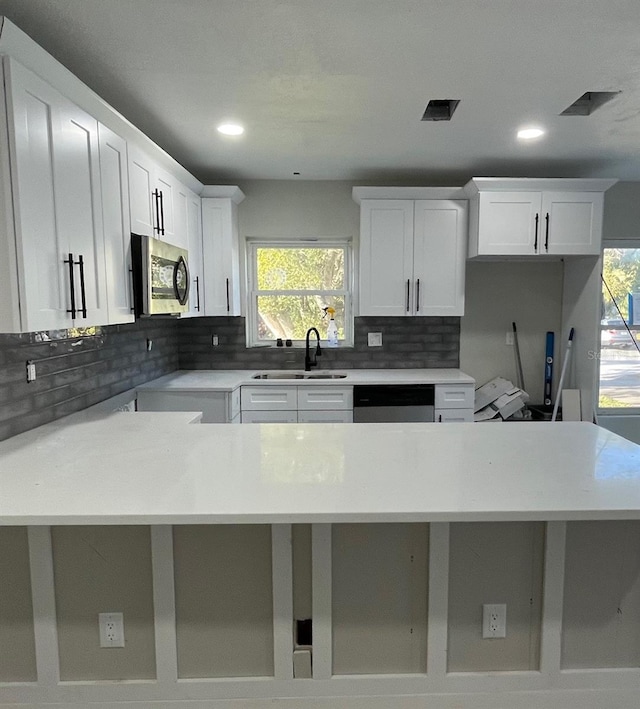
x,y
197,280
72,287
408,286
83,294
418,295
162,213
546,235
439,418
156,200
535,243
228,304
132,308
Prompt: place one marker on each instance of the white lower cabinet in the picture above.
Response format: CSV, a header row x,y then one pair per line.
x,y
297,404
454,403
270,416
216,406
325,416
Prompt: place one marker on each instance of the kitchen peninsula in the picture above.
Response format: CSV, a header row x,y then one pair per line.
x,y
400,525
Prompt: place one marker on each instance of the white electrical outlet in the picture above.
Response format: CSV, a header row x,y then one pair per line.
x,y
31,371
374,339
111,629
214,341
494,620
509,339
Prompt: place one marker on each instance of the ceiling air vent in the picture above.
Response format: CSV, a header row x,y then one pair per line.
x,y
440,109
589,102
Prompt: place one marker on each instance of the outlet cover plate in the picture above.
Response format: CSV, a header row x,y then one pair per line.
x,y
374,339
111,629
494,620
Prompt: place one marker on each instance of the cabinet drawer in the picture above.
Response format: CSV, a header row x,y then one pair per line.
x,y
453,416
343,416
268,398
324,398
454,396
234,403
269,417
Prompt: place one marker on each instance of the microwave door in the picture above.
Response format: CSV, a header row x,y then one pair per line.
x,y
181,281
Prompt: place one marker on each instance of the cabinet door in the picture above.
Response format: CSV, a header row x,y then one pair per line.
x,y
386,257
325,416
269,417
439,251
194,230
141,186
328,398
43,278
79,210
510,223
453,415
454,396
168,188
221,257
116,226
269,398
572,223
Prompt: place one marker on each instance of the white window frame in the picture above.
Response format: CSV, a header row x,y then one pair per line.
x,y
618,410
253,244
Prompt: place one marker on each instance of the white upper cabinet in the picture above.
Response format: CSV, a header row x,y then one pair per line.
x,y
528,217
412,255
55,239
154,196
116,226
194,228
221,254
386,257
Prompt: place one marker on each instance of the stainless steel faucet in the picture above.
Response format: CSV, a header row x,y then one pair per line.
x,y
308,361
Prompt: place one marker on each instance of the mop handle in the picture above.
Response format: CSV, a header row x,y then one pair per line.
x,y
562,373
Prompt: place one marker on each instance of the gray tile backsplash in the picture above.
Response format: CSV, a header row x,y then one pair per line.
x,y
407,342
78,369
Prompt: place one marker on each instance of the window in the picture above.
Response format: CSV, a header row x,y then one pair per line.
x,y
620,331
290,284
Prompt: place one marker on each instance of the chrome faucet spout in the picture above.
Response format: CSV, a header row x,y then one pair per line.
x,y
310,361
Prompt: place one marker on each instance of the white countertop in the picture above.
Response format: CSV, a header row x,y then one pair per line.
x,y
230,379
154,468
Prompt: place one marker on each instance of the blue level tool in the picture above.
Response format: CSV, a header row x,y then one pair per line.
x,y
548,368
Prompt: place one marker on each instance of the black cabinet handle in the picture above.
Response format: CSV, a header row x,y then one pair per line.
x,y
228,304
162,213
197,280
72,287
408,285
418,295
535,243
132,308
156,200
439,418
83,294
546,236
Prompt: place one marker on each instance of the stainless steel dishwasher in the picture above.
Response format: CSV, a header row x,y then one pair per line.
x,y
390,403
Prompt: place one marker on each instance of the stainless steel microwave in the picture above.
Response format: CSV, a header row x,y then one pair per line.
x,y
160,277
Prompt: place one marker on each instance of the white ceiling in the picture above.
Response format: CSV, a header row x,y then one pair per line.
x,y
335,89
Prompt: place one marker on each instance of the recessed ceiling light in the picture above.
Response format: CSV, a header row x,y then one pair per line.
x,y
230,129
530,133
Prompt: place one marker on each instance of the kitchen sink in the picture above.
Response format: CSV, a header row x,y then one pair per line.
x,y
297,375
